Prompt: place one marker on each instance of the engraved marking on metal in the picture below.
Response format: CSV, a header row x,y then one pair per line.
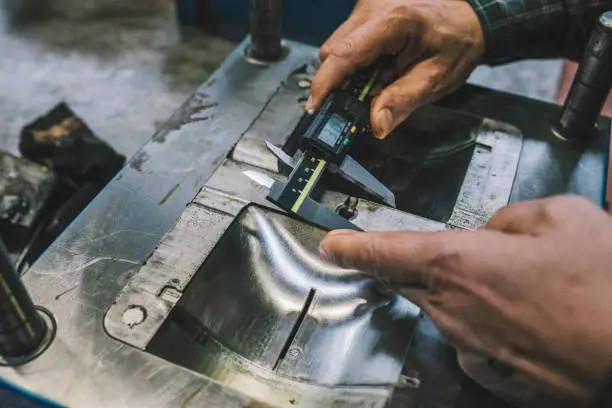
x,y
489,179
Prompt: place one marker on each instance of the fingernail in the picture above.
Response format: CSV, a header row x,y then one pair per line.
x,y
385,121
325,254
309,104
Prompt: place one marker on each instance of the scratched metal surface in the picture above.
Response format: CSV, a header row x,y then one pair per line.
x,y
81,274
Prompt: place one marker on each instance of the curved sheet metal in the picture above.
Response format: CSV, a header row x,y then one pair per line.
x,y
264,295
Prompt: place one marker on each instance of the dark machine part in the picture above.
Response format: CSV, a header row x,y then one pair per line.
x,y
75,153
65,165
266,19
591,86
25,189
22,329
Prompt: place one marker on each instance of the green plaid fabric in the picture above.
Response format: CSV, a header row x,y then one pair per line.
x,y
516,29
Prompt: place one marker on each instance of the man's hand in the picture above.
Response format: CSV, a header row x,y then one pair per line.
x,y
438,43
532,289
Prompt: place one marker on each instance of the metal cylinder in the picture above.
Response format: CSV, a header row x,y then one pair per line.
x,y
266,29
22,329
591,85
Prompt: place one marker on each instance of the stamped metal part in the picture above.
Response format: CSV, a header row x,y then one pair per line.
x,y
25,187
265,295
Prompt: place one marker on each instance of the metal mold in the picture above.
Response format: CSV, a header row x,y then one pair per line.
x,y
241,289
265,295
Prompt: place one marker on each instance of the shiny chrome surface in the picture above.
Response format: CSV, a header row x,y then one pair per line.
x,y
234,320
355,173
281,155
260,178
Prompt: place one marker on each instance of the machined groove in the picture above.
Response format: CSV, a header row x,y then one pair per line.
x,y
295,329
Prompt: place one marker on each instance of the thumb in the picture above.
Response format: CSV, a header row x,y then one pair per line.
x,y
400,258
397,102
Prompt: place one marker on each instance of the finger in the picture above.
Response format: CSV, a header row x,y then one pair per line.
x,y
412,52
355,20
422,259
359,49
396,103
331,74
526,217
398,258
408,56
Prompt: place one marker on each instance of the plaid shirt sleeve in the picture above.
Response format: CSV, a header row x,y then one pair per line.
x,y
517,29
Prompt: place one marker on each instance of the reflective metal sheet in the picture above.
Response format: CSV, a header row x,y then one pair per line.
x,y
253,290
264,294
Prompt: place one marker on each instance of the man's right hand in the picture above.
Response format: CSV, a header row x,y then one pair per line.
x,y
438,43
530,290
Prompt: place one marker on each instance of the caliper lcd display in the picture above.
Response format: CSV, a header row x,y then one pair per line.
x,y
333,130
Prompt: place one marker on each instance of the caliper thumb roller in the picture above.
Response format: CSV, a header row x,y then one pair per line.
x,y
591,85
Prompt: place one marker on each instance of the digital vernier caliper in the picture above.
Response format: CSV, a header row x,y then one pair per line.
x,y
326,139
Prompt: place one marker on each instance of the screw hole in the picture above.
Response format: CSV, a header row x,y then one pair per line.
x,y
134,315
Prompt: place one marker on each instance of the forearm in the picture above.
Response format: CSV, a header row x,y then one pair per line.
x,y
517,29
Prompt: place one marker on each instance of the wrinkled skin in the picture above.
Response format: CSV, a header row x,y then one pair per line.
x,y
532,289
438,43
